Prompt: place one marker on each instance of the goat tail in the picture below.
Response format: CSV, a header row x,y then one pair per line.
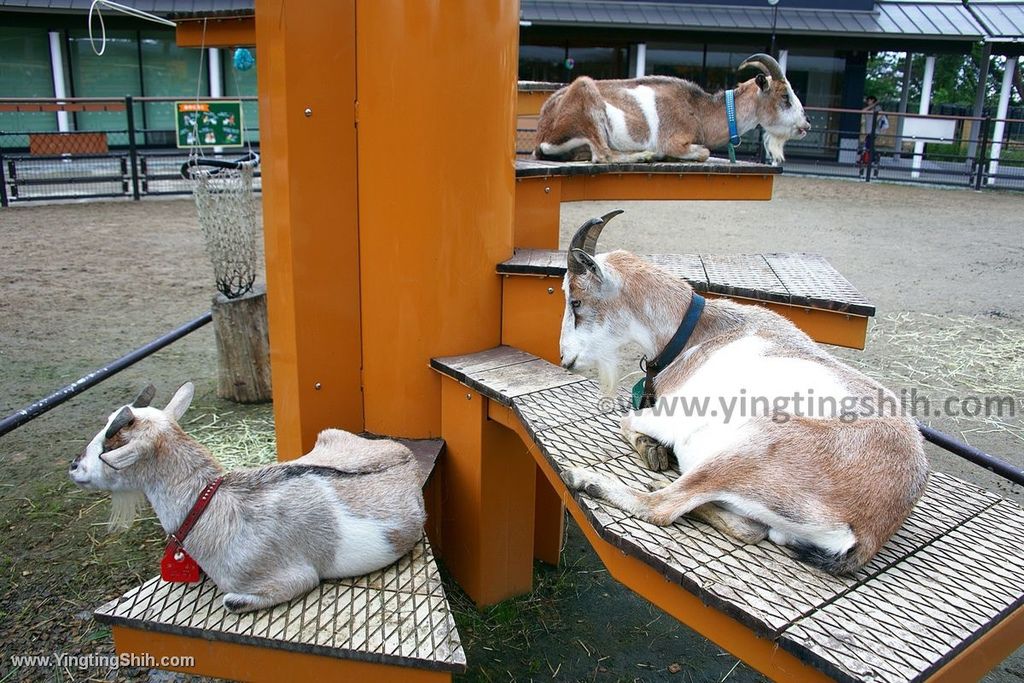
x,y
834,563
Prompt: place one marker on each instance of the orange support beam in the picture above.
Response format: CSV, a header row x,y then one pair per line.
x,y
489,500
436,193
232,661
216,32
310,218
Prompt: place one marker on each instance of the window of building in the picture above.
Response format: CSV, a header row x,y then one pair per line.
x,y
115,74
169,71
25,72
678,61
562,65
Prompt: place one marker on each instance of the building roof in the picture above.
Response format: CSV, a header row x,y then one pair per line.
x,y
1002,21
940,20
930,19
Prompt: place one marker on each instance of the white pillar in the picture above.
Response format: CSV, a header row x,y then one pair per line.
x,y
1000,128
783,58
216,82
60,86
641,60
926,102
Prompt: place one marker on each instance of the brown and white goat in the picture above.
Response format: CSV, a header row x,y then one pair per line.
x,y
659,117
833,476
348,507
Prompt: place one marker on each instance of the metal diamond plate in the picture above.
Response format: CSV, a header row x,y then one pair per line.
x,y
812,281
746,275
911,619
766,584
690,267
571,403
398,615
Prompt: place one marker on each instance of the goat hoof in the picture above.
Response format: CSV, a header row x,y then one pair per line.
x,y
578,479
575,479
238,602
655,456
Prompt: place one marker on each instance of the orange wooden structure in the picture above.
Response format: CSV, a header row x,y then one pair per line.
x,y
389,195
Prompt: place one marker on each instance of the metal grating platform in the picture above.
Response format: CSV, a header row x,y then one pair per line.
x,y
398,615
954,569
806,280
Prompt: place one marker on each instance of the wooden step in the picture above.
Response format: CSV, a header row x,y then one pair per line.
x,y
394,624
541,187
804,288
945,594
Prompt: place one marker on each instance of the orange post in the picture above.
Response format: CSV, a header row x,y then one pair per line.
x,y
489,499
310,217
436,102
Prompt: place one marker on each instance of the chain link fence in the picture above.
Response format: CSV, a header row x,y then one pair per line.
x,y
44,157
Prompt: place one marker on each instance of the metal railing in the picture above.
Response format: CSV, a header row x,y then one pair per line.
x,y
962,151
122,159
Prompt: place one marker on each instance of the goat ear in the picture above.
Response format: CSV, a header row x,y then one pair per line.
x,y
181,400
762,82
122,457
588,262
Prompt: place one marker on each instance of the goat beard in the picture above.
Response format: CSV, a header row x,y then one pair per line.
x,y
124,508
773,145
608,376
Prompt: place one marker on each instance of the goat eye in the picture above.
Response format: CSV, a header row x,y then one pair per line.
x,y
575,303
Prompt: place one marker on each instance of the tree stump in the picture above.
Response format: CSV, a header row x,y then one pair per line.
x,y
243,347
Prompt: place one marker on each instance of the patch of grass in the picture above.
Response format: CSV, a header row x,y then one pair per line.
x,y
237,438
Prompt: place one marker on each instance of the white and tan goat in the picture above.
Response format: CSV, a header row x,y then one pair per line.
x,y
834,477
348,507
663,118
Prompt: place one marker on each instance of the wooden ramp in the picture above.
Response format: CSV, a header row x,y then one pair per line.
x,y
942,600
392,625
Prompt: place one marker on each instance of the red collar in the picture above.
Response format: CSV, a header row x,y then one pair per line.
x,y
198,508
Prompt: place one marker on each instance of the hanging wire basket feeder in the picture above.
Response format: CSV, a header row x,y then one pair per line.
x,y
226,205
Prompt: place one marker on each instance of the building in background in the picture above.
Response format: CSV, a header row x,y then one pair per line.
x,y
823,45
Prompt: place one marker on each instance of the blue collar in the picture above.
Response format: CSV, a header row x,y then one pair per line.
x,y
730,114
643,391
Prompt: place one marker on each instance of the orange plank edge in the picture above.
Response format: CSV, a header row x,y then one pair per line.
x,y
233,661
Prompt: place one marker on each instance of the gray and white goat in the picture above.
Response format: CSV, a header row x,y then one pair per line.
x,y
659,117
834,478
348,507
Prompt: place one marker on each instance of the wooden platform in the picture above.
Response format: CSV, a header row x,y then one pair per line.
x,y
394,624
944,596
794,279
532,168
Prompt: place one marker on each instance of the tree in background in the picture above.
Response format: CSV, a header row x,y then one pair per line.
x,y
955,81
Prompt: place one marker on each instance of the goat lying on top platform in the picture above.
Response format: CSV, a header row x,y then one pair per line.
x,y
833,476
658,117
348,507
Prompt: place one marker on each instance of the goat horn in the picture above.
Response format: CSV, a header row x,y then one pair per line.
x,y
766,64
585,240
121,420
145,397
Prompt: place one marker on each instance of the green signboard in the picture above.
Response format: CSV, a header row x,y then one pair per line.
x,y
209,124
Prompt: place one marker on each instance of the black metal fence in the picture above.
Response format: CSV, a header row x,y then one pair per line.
x,y
961,151
124,159
120,159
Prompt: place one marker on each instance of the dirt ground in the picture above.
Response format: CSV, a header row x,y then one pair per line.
x,y
80,284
